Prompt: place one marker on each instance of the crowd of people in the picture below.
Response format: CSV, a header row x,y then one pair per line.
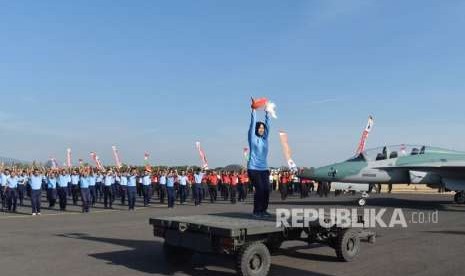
x,y
87,186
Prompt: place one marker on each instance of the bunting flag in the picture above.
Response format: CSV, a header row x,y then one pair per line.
x,y
287,150
68,158
148,167
245,152
116,156
203,156
97,161
366,132
54,163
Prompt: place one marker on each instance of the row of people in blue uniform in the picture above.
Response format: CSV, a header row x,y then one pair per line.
x,y
91,186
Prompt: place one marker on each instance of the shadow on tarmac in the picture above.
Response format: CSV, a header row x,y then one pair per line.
x,y
447,232
143,256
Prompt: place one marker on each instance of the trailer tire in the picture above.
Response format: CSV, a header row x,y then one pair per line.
x,y
175,255
254,259
348,245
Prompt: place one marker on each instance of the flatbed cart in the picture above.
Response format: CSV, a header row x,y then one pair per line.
x,y
251,240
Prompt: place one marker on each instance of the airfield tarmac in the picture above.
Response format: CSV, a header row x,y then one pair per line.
x,y
120,243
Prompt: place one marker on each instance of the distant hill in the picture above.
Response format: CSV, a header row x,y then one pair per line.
x,y
8,161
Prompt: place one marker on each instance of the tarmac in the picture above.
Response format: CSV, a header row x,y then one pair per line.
x,y
120,243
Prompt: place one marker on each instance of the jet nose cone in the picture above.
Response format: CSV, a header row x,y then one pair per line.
x,y
307,173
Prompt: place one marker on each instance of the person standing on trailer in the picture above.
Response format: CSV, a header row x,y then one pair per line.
x,y
257,165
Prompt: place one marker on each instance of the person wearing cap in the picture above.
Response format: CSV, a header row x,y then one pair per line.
x,y
75,187
22,187
35,181
132,190
51,189
3,183
183,181
84,183
108,190
11,191
62,190
162,187
92,188
198,178
213,186
170,180
147,188
123,187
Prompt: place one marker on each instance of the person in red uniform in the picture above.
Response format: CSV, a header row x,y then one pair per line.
x,y
243,186
213,186
226,181
284,185
233,186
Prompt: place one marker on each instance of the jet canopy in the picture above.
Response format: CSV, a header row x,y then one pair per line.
x,y
390,152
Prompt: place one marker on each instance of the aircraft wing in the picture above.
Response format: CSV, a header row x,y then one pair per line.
x,y
440,169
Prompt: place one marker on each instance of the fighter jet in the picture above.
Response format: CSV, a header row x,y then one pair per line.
x,y
402,164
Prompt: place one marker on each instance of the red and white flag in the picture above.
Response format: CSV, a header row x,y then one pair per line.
x,y
366,132
203,156
68,158
116,156
287,150
97,161
148,167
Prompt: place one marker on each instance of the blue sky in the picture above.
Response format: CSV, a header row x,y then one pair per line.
x,y
159,75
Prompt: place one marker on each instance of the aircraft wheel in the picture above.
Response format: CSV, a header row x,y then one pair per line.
x,y
362,202
459,198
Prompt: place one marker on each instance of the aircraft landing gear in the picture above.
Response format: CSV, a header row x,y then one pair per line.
x,y
363,200
459,197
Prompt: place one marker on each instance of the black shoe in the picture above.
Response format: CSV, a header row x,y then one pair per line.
x,y
266,215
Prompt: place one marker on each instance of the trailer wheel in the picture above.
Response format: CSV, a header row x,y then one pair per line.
x,y
254,259
175,255
348,245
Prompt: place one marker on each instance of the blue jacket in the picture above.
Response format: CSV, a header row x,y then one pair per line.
x,y
258,145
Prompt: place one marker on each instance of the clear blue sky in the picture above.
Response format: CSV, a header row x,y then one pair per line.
x,y
159,75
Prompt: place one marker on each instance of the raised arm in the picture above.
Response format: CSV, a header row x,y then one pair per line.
x,y
253,121
268,125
